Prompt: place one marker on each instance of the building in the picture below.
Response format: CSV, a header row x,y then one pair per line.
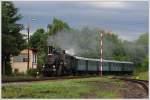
x,y
19,63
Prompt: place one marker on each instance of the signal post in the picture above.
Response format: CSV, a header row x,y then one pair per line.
x,y
101,53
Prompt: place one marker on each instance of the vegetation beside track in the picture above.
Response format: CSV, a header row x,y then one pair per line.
x,y
141,75
73,88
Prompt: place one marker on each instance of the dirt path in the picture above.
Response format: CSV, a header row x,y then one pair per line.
x,y
128,90
133,90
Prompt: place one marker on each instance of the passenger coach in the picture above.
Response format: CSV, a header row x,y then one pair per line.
x,y
88,65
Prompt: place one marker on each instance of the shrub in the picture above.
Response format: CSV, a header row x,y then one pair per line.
x,y
8,69
145,64
32,72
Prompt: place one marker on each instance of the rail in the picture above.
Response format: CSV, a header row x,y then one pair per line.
x,y
143,83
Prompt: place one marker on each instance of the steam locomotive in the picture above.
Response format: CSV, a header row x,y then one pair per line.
x,y
59,63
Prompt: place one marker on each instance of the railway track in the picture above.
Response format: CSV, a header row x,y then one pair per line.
x,y
143,83
42,79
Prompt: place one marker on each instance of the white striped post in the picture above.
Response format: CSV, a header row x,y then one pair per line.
x,y
101,53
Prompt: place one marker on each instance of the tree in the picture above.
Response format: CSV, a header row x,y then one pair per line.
x,y
39,41
142,53
143,39
36,38
145,64
137,51
12,39
57,26
143,42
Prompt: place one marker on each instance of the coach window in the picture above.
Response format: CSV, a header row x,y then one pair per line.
x,y
127,67
122,66
82,64
114,66
119,66
92,65
105,67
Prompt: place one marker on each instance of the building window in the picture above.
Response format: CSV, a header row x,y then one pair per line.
x,y
34,57
25,59
21,58
16,70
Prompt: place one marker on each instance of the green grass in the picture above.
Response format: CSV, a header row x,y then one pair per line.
x,y
74,88
141,75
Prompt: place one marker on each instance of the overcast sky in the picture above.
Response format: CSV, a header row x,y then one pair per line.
x,y
128,19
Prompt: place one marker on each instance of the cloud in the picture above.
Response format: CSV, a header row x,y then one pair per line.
x,y
107,4
126,18
98,4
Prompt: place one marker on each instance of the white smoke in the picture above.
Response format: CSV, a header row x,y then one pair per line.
x,y
70,51
86,43
75,42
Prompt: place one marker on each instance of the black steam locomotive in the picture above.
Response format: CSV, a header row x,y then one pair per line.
x,y
58,63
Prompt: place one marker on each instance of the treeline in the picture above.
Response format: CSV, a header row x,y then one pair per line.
x,y
81,42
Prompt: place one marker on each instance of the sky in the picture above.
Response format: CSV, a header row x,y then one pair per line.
x,y
128,19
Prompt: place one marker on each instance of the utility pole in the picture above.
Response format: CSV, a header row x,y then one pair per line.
x,y
28,29
101,54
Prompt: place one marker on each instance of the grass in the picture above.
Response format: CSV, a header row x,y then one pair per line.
x,y
141,75
74,88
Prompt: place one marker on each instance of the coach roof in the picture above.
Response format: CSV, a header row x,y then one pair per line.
x,y
91,59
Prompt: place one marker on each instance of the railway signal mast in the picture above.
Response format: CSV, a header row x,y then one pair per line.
x,y
101,53
101,50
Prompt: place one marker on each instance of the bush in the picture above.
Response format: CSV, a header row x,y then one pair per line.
x,y
8,69
142,67
18,74
32,72
145,64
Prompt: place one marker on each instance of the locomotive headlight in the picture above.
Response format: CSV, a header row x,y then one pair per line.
x,y
53,66
54,69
